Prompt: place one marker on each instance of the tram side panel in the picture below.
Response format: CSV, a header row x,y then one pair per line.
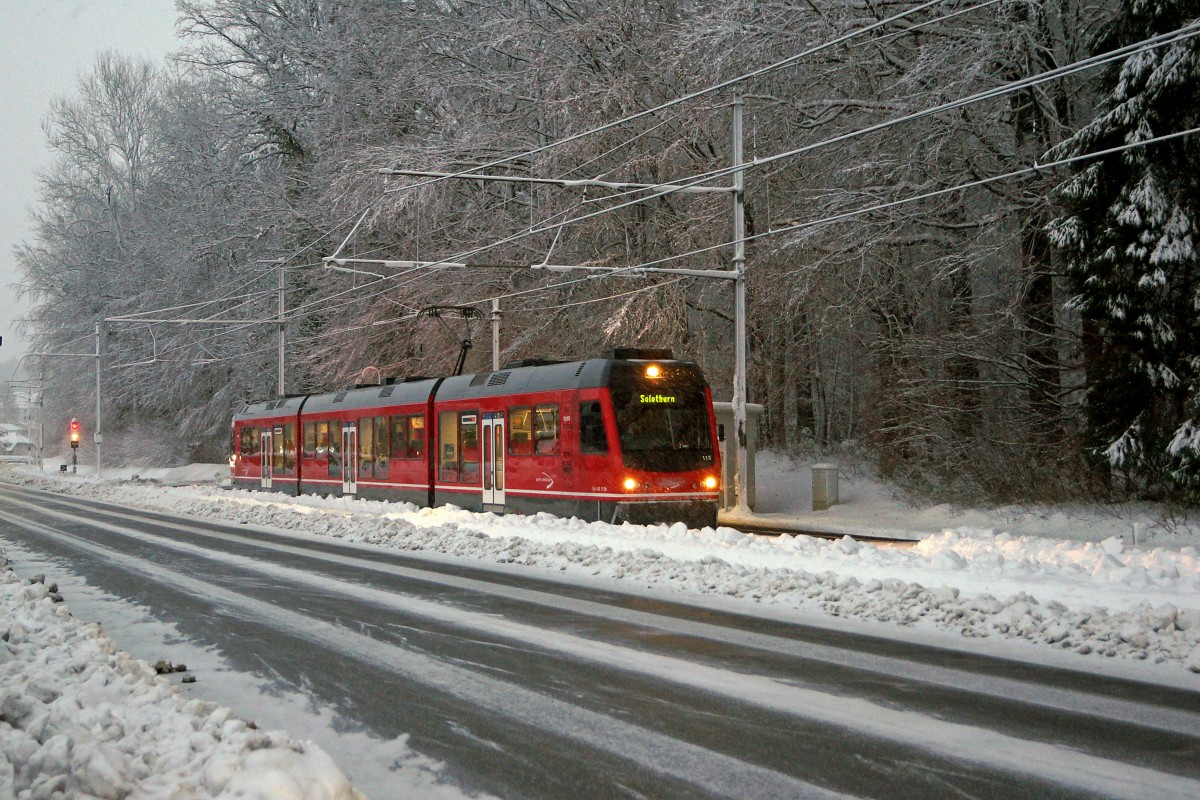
x,y
320,463
599,474
541,469
389,457
457,468
369,442
265,447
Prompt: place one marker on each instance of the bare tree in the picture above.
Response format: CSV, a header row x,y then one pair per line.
x,y
929,336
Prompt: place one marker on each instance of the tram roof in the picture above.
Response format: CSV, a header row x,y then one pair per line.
x,y
589,374
568,375
392,394
269,409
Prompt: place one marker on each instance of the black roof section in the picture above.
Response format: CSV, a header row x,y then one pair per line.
x,y
589,374
390,394
269,409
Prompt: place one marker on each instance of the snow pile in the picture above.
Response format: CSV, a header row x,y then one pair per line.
x,y
1086,597
83,719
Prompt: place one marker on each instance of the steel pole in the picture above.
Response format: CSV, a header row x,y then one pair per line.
x,y
739,315
97,435
495,334
42,418
282,333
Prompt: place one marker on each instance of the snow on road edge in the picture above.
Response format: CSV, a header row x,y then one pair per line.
x,y
1096,599
84,719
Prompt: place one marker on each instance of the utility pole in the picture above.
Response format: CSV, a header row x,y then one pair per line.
x,y
282,330
739,313
98,437
495,334
41,415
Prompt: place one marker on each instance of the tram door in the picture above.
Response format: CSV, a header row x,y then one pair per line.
x,y
349,458
493,458
264,457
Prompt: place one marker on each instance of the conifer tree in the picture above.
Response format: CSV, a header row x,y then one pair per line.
x,y
1129,237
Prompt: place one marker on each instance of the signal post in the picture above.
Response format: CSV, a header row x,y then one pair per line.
x,y
74,446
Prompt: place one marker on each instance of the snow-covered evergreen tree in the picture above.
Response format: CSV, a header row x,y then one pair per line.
x,y
1130,239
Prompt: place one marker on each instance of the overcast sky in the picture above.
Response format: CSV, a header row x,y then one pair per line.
x,y
47,44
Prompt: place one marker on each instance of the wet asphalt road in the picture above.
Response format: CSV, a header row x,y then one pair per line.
x,y
530,688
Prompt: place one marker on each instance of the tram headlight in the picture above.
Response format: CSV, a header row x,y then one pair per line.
x,y
630,484
710,482
654,371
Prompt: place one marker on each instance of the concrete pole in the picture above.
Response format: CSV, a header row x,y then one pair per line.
x,y
739,315
97,436
495,334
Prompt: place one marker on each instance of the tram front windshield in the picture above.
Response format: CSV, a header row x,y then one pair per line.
x,y
663,424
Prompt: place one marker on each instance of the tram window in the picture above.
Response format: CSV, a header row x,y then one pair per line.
x,y
366,447
289,449
322,439
249,442
592,439
663,432
399,437
416,436
283,450
233,441
545,429
448,441
335,449
382,447
408,436
520,431
310,439
468,425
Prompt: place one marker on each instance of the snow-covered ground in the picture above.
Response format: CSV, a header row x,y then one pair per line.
x,y
869,506
1064,584
84,719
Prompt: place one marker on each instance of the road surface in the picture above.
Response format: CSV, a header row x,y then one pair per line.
x,y
532,688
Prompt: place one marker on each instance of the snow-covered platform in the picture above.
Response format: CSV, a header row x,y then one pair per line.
x,y
816,525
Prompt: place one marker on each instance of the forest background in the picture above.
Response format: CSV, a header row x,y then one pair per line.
x,y
1027,339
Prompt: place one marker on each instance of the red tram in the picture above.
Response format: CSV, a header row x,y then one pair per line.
x,y
631,437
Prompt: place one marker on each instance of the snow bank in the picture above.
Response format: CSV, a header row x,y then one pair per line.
x,y
869,504
1097,599
84,719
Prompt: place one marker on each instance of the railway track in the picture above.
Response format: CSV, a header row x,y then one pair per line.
x,y
776,530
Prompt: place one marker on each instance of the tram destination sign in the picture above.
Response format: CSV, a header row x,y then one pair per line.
x,y
658,399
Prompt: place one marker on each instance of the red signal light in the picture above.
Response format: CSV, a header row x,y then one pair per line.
x,y
74,431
